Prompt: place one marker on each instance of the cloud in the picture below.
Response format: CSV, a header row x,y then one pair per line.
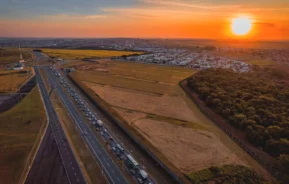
x,y
151,13
71,17
265,24
187,4
94,16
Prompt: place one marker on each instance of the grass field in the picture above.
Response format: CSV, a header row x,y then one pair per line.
x,y
11,81
20,129
10,56
80,54
149,102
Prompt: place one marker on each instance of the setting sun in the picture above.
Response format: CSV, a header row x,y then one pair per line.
x,y
241,26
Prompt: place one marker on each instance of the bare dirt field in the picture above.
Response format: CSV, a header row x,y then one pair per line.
x,y
148,103
129,115
149,98
182,145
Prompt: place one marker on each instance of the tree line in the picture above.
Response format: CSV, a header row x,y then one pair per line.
x,y
256,102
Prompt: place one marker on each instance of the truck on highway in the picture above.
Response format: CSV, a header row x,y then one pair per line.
x,y
142,176
99,123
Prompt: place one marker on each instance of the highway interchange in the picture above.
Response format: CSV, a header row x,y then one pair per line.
x,y
73,171
83,117
121,152
111,170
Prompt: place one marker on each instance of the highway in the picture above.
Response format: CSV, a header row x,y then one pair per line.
x,y
73,171
111,170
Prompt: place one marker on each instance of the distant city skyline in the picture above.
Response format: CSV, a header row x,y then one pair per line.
x,y
205,19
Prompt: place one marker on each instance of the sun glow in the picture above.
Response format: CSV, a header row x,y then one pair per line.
x,y
241,26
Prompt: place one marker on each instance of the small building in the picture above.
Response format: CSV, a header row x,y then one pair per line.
x,y
18,66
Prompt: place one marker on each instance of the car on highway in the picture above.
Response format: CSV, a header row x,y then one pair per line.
x,y
113,148
120,148
110,138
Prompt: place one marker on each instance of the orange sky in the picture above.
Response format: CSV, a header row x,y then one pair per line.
x,y
155,18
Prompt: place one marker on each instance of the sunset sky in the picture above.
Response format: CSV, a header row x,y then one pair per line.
x,y
142,18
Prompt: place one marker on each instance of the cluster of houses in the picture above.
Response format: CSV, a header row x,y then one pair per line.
x,y
189,59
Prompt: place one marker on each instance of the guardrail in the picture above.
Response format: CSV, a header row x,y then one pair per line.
x,y
112,118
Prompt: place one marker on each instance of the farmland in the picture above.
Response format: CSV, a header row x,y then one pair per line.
x,y
10,81
20,131
152,105
81,54
9,56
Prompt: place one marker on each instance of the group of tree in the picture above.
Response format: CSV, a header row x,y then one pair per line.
x,y
227,174
256,102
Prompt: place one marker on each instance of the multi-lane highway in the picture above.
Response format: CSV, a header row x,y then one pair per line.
x,y
111,170
47,167
73,171
114,144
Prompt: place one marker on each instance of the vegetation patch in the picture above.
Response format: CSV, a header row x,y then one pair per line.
x,y
227,174
11,56
20,128
11,81
255,103
82,54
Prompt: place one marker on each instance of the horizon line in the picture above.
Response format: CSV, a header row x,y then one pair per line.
x,y
152,38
